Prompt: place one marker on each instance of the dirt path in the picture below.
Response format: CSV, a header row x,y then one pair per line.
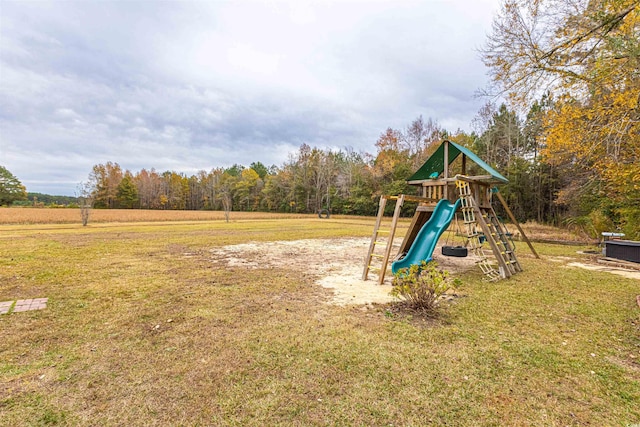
x,y
338,263
613,270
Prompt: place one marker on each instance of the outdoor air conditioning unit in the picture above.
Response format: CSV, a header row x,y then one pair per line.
x,y
626,250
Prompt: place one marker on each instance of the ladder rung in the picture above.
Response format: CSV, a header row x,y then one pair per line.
x,y
384,231
377,255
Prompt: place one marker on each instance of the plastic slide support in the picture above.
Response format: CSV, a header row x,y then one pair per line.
x,y
425,242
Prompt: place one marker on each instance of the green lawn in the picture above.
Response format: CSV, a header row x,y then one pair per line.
x,y
137,333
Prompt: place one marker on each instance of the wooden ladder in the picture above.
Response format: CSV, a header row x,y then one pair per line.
x,y
498,233
478,231
378,239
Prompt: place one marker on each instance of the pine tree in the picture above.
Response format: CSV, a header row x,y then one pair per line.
x,y
11,189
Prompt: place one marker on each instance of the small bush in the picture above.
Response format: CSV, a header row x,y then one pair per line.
x,y
421,286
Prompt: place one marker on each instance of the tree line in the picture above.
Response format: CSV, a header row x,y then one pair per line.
x,y
541,184
567,135
574,65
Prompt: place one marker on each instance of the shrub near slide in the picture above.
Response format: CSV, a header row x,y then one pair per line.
x,y
421,286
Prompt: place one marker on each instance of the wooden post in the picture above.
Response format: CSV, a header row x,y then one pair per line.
x,y
392,233
446,168
515,222
464,164
374,237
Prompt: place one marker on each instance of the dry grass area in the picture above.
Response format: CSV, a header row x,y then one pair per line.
x,y
72,216
215,323
25,215
543,232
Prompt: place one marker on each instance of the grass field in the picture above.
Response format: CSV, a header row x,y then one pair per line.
x,y
144,328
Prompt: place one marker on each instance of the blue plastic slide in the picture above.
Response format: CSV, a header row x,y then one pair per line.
x,y
425,242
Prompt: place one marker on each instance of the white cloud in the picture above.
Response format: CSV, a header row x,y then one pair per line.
x,y
194,85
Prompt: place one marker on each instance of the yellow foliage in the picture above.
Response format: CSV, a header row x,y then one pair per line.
x,y
601,135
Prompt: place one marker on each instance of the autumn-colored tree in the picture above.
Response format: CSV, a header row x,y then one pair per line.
x,y
422,139
575,46
175,188
392,153
247,189
586,54
278,190
149,187
104,179
209,185
353,184
392,165
260,169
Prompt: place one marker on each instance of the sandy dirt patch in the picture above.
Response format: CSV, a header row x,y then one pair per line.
x,y
613,270
337,263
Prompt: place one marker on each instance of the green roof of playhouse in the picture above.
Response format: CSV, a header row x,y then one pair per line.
x,y
435,163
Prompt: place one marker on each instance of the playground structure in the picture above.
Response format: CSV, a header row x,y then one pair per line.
x,y
441,196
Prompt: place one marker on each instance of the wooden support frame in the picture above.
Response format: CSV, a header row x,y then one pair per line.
x,y
516,223
407,198
505,270
392,233
367,261
390,238
445,174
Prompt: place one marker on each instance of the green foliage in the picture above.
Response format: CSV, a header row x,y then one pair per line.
x,y
592,224
421,286
502,139
127,193
630,222
34,199
11,189
260,169
234,170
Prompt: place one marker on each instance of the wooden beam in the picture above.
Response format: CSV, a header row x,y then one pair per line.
x,y
434,182
475,178
515,222
413,198
446,160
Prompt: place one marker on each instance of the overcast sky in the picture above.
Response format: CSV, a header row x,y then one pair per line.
x,y
192,85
